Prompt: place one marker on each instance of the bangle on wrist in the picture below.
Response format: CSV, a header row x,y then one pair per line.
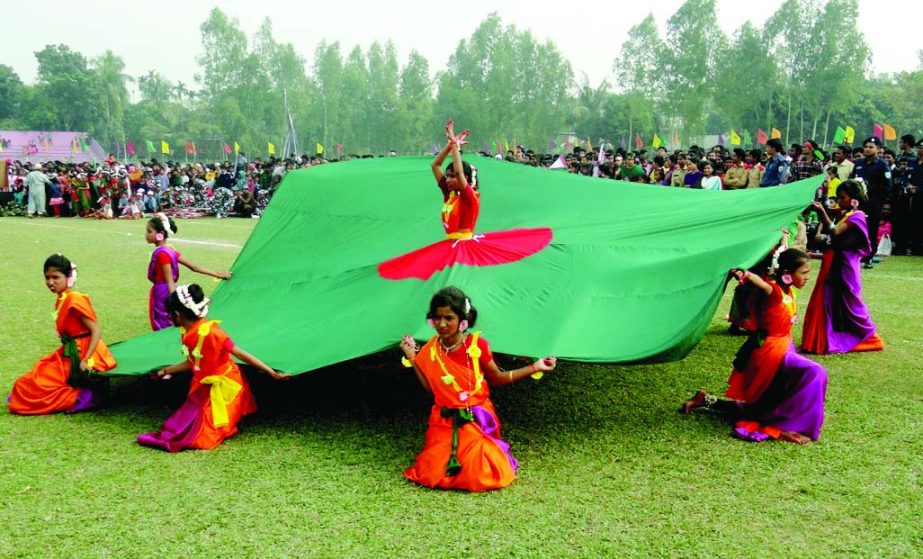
x,y
533,368
509,375
831,226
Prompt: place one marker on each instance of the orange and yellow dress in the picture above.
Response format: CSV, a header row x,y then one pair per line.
x,y
219,395
55,383
463,448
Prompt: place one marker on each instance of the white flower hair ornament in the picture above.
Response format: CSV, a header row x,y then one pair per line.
x,y
165,221
198,309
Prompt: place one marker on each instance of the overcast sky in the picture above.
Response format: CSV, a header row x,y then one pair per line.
x,y
163,35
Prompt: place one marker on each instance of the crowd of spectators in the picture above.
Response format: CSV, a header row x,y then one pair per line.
x,y
893,180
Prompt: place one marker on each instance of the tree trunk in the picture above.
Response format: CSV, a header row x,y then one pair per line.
x,y
827,127
788,119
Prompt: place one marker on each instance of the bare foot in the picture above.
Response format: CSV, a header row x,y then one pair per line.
x,y
697,401
794,437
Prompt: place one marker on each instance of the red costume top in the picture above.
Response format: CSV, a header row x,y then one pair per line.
x,y
459,208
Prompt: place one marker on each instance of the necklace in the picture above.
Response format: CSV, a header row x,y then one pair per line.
x,y
448,349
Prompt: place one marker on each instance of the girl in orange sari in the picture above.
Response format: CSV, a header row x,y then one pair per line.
x,y
61,381
773,392
463,448
219,395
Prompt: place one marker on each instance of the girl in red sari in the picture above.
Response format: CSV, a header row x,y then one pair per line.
x,y
61,381
463,448
219,395
773,393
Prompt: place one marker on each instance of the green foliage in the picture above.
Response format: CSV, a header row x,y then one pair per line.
x,y
803,71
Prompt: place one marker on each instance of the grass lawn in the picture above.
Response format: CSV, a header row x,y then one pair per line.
x,y
607,466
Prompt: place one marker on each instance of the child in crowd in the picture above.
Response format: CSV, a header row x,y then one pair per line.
x,y
132,210
163,269
219,394
105,207
837,320
773,392
61,381
463,448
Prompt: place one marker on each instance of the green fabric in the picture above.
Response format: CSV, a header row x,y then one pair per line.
x,y
634,271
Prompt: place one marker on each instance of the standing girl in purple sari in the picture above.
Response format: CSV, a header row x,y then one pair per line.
x,y
773,392
837,320
163,269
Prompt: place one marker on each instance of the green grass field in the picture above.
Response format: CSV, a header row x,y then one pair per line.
x,y
607,466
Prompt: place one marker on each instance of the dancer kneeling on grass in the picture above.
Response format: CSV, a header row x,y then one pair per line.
x,y
61,381
219,395
773,392
463,448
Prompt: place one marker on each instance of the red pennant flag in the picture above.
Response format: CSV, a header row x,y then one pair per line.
x,y
227,149
339,149
639,143
675,139
761,137
130,148
878,131
499,147
189,148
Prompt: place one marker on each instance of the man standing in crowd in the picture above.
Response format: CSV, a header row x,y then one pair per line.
x,y
841,160
876,174
36,181
808,165
736,176
908,145
776,172
914,194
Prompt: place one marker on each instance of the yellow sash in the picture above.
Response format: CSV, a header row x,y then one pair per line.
x,y
223,392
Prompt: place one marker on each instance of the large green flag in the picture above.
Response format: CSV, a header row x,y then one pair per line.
x,y
632,271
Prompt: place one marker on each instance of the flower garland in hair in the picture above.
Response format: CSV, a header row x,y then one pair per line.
x,y
474,177
165,221
783,246
198,309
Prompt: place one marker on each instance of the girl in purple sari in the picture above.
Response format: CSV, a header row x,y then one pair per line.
x,y
837,320
163,269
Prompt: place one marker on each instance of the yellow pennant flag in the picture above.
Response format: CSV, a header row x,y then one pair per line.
x,y
589,144
656,141
735,138
776,133
271,148
164,147
318,148
890,133
850,134
74,147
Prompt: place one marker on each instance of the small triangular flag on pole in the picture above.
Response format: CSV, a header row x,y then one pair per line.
x,y
840,135
656,141
890,133
735,138
761,137
776,134
850,134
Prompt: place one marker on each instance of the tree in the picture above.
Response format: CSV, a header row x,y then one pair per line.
x,y
112,81
11,92
70,87
693,41
416,101
745,85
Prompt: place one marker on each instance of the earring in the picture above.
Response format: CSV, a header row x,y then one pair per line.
x,y
463,325
430,322
158,236
787,279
